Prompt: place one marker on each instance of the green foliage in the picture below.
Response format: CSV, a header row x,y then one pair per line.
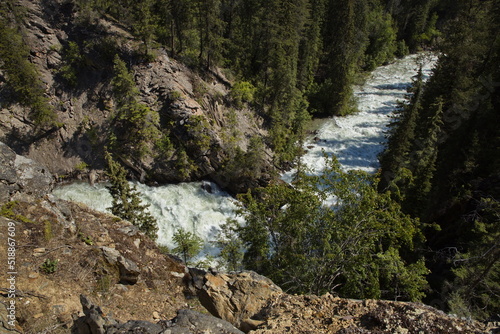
x,y
231,246
8,210
163,249
82,166
382,39
240,164
126,201
351,243
136,125
72,63
47,230
188,244
49,266
184,165
197,127
86,239
442,162
476,287
242,92
22,76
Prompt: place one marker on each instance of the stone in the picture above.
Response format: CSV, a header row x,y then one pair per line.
x,y
33,178
19,174
110,254
189,321
129,271
34,275
237,297
93,321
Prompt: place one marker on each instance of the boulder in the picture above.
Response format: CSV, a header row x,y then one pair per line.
x,y
129,271
238,297
186,322
19,174
93,321
189,321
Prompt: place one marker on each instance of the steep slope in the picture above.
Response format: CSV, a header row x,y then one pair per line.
x,y
200,133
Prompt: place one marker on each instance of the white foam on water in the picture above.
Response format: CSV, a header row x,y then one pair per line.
x,y
357,140
184,205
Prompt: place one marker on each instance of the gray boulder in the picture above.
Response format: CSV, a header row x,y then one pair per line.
x,y
128,269
192,322
20,175
186,322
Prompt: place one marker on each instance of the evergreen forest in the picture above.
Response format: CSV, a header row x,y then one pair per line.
x,y
425,228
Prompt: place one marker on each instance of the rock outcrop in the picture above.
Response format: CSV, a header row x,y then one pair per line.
x,y
194,111
20,175
328,314
186,322
237,297
254,304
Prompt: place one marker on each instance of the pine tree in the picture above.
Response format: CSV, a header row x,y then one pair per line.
x,y
333,96
22,76
136,125
394,161
126,201
424,160
188,244
210,30
144,22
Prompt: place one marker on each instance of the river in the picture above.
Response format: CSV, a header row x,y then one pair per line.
x,y
356,140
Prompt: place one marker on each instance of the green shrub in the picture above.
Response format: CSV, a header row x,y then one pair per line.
x,y
49,266
242,92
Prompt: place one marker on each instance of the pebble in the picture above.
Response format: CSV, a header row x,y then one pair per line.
x,y
34,275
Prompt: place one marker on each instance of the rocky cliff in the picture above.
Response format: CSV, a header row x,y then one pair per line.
x,y
73,270
196,115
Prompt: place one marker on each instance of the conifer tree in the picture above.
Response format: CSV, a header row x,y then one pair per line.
x,y
136,125
22,76
126,201
424,160
188,244
210,30
394,161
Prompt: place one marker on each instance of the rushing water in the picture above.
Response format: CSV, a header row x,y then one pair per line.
x,y
356,140
186,205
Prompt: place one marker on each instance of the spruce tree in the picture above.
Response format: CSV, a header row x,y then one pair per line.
x,y
188,244
136,126
126,201
394,161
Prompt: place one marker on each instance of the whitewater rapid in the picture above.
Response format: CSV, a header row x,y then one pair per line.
x,y
356,140
186,205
